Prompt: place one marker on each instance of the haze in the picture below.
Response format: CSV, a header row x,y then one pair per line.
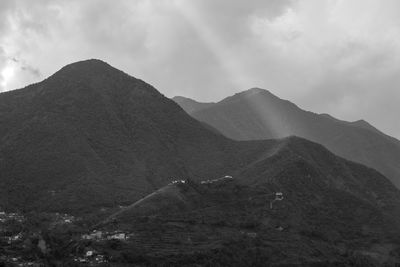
x,y
336,57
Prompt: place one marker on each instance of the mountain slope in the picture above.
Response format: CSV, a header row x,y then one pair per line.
x,y
92,136
331,210
296,167
257,114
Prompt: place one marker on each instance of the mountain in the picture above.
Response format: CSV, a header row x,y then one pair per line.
x,y
258,114
91,136
332,209
292,165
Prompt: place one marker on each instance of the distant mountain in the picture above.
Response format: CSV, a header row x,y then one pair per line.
x,y
190,105
258,114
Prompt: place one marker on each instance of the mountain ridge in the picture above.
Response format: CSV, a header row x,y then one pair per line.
x,y
257,114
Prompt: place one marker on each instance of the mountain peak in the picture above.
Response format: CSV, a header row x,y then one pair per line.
x,y
96,75
88,63
85,79
255,94
88,67
255,90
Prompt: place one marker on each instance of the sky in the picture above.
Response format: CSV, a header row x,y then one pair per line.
x,y
340,57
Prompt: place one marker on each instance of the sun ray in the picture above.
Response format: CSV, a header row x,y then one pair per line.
x,y
221,51
230,64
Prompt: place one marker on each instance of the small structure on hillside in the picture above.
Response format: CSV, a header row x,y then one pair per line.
x,y
94,235
2,216
89,253
178,182
118,236
278,197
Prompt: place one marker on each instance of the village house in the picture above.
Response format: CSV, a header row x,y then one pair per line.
x,y
94,235
118,236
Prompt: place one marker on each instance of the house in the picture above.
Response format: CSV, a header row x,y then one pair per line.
x,y
89,253
94,235
3,216
118,236
16,237
279,196
100,259
178,182
15,216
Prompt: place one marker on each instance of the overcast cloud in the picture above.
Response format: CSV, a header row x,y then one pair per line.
x,y
328,56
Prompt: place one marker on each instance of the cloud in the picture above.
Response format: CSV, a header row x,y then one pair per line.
x,y
339,57
333,56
